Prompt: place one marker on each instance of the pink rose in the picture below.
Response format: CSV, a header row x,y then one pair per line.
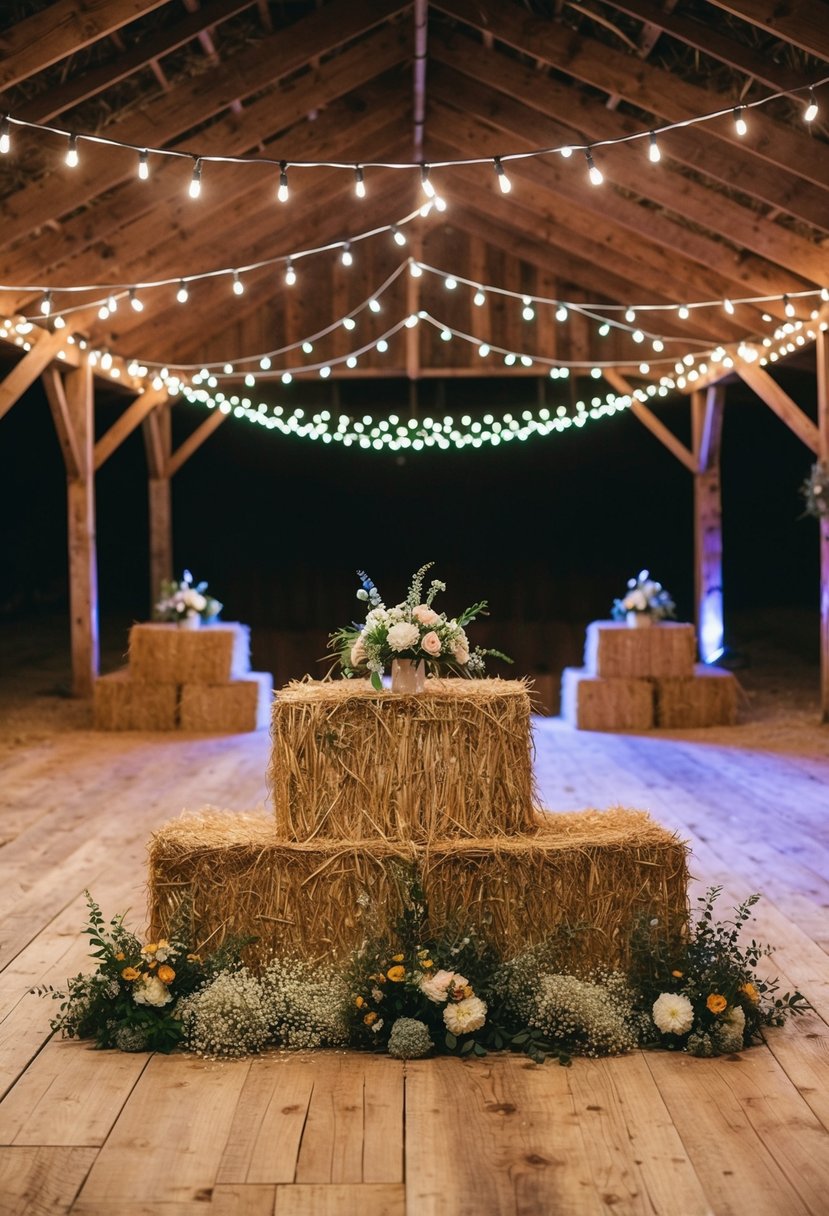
x,y
425,614
430,642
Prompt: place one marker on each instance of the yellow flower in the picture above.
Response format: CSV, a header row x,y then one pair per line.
x,y
359,1002
194,958
748,990
426,963
162,944
166,974
379,978
423,954
677,975
716,1003
129,974
150,948
120,956
397,958
369,1018
396,974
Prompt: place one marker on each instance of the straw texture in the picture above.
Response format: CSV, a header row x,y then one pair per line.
x,y
350,763
614,651
241,705
162,653
589,702
121,703
708,698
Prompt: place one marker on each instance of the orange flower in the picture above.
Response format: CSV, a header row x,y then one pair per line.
x,y
166,974
379,978
129,974
677,975
716,1003
748,990
396,974
397,958
359,1002
426,963
120,956
369,1018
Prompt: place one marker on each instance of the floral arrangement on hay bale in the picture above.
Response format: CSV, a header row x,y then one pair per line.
x,y
410,637
815,491
185,602
413,995
644,602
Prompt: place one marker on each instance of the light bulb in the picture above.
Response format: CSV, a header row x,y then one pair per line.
x,y
143,165
112,304
446,335
374,305
238,285
503,181
630,315
61,324
106,361
658,345
479,299
740,124
415,270
411,320
351,361
654,155
561,313
5,136
483,350
346,257
595,174
136,304
683,313
103,313
250,380
729,307
426,185
811,111
638,336
228,369
282,191
566,152
399,237
604,330
440,203
290,274
349,323
450,282
182,295
72,157
265,363
195,181
788,307
325,372
46,304
528,312
308,348
382,346
359,183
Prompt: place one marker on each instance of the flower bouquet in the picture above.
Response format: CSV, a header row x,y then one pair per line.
x,y
186,602
644,602
411,635
815,491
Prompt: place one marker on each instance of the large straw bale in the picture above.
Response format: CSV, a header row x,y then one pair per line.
x,y
121,703
162,653
601,871
229,875
241,705
351,763
615,651
591,703
707,698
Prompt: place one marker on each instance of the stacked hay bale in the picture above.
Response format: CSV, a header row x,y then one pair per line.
x,y
182,679
375,791
635,679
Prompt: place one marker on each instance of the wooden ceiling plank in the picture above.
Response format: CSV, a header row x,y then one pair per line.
x,y
77,89
188,103
652,88
62,29
804,24
585,116
352,69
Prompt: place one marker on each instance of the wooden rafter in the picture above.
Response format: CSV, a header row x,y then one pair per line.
x,y
34,362
648,419
779,401
194,441
129,421
73,457
804,24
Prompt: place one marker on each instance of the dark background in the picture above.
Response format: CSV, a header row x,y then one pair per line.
x,y
546,530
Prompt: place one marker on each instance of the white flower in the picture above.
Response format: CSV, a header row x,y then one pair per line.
x,y
378,1025
377,616
425,614
460,649
376,994
403,636
194,600
673,1013
466,1016
358,652
635,602
735,1017
436,987
151,991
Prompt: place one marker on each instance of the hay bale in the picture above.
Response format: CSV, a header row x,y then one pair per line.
x,y
229,875
121,703
241,705
707,698
614,651
351,763
591,703
162,653
604,871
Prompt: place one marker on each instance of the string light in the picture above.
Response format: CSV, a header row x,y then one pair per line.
x,y
182,295
683,313
72,157
562,313
195,180
349,323
238,285
425,183
136,303
5,135
788,307
374,305
265,363
282,192
528,312
654,155
398,236
630,315
359,183
307,348
595,174
729,307
479,299
566,152
143,164
503,181
415,270
112,304
740,124
46,304
811,111
450,282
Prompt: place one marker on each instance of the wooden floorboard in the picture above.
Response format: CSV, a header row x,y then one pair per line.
x,y
105,1134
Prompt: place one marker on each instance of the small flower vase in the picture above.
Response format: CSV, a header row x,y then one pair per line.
x,y
190,620
639,620
408,676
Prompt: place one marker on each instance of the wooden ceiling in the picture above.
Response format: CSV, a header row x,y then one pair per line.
x,y
719,217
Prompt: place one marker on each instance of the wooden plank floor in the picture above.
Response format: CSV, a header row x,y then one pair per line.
x,y
307,1135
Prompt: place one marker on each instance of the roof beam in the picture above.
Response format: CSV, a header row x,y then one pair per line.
x,y
804,24
653,89
190,102
130,420
779,401
53,101
61,29
24,373
649,419
194,441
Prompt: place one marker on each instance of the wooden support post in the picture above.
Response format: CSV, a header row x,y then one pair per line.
x,y
158,441
706,420
72,406
822,351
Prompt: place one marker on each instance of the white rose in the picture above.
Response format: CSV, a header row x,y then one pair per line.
x,y
403,636
151,991
673,1013
436,987
194,600
425,614
460,649
466,1016
635,602
358,652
